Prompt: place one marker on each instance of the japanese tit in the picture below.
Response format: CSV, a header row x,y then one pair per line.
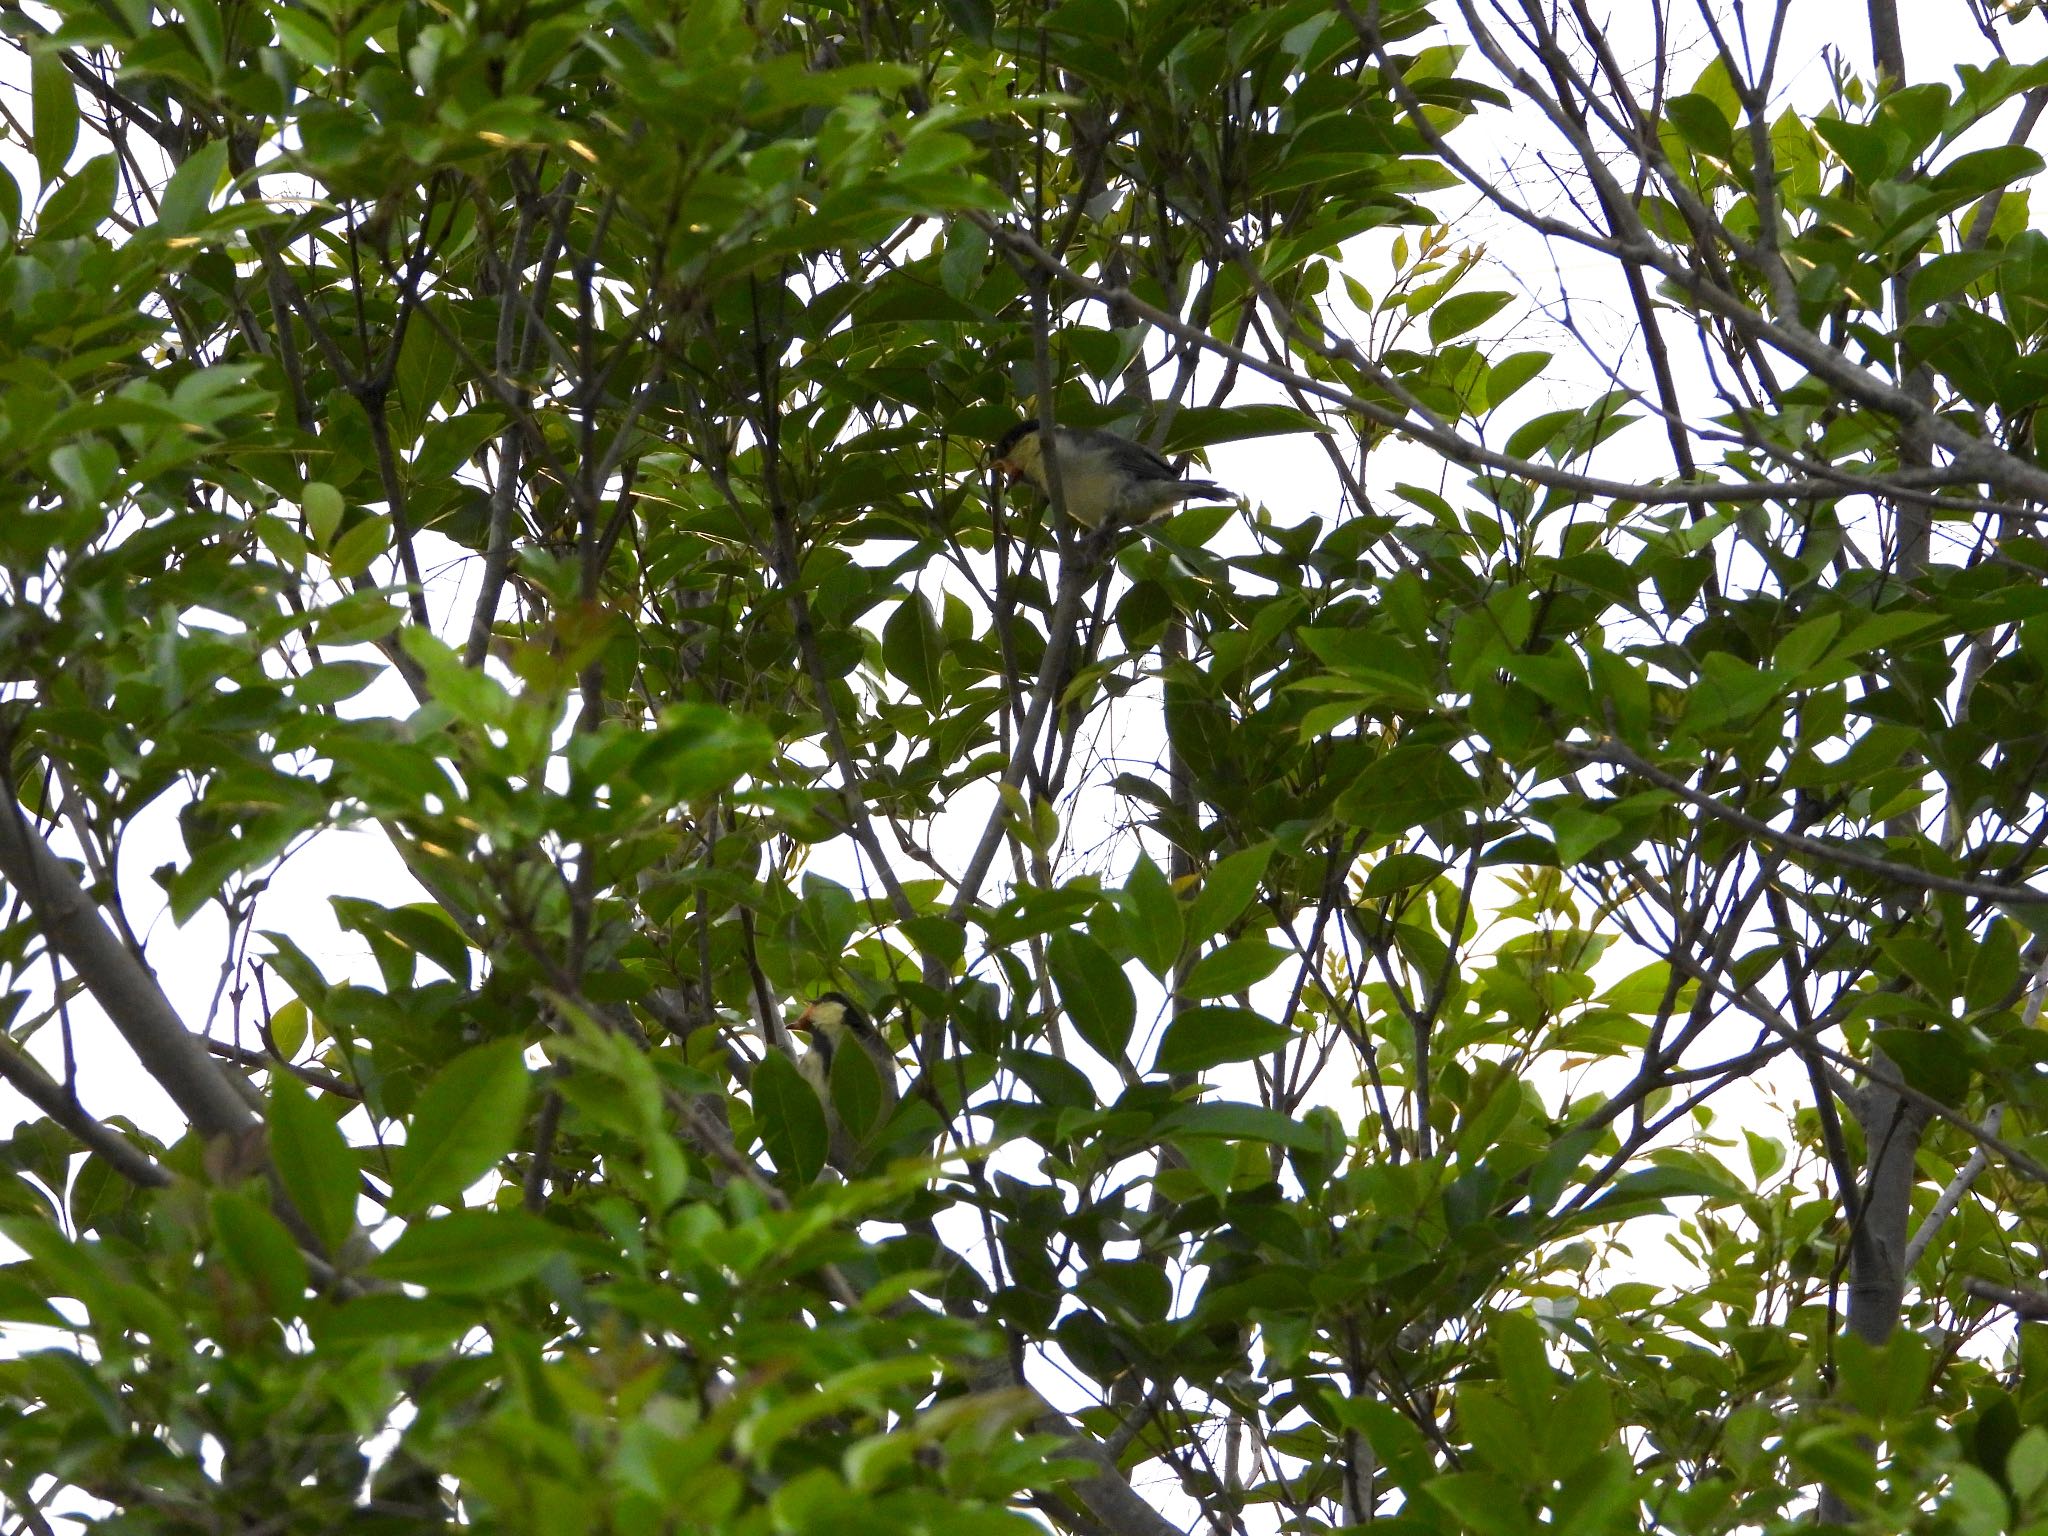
x,y
834,1024
1103,478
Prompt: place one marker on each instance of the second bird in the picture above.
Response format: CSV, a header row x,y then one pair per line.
x,y
1103,478
834,1024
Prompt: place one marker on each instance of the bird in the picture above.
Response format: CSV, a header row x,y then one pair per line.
x,y
1103,478
831,1020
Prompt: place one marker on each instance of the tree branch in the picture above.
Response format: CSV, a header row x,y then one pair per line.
x,y
118,981
26,1076
1615,754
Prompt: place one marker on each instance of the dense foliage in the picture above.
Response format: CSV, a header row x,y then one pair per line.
x,y
1491,987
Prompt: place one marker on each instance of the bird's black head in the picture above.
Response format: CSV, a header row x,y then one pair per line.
x,y
1014,436
850,1017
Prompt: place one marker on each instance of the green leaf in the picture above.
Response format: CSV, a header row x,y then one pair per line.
x,y
697,750
1407,787
790,1119
1579,830
212,863
191,187
383,1317
1517,1341
857,1093
260,1250
1227,890
1648,1189
25,1299
912,645
1556,677
1806,644
352,553
1098,21
313,1163
290,1023
1995,971
1498,1430
1924,960
1243,961
54,102
1210,1036
975,18
1928,1061
1094,991
468,1118
1463,312
1943,276
81,203
1243,1122
470,1251
427,928
1880,629
323,506
1485,1503
1507,377
1057,1083
1200,426
1401,872
1701,123
1869,152
1152,915
1579,1427
1766,1156
1386,666
2026,1467
1990,169
1596,1493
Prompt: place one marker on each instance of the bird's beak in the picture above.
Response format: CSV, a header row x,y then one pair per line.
x,y
1010,471
805,1022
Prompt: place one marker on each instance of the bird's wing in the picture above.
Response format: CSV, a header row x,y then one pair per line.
x,y
1131,458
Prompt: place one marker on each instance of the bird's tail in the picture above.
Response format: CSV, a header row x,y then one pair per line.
x,y
1205,490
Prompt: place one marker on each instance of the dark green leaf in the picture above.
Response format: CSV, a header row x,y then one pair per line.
x,y
82,202
1700,120
1243,1122
470,1251
976,18
1928,1061
699,750
1152,914
53,103
790,1118
1201,426
1483,1503
260,1249
467,1120
1400,872
1408,786
1244,960
1227,889
1094,992
912,645
1208,1037
184,201
314,1164
856,1087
